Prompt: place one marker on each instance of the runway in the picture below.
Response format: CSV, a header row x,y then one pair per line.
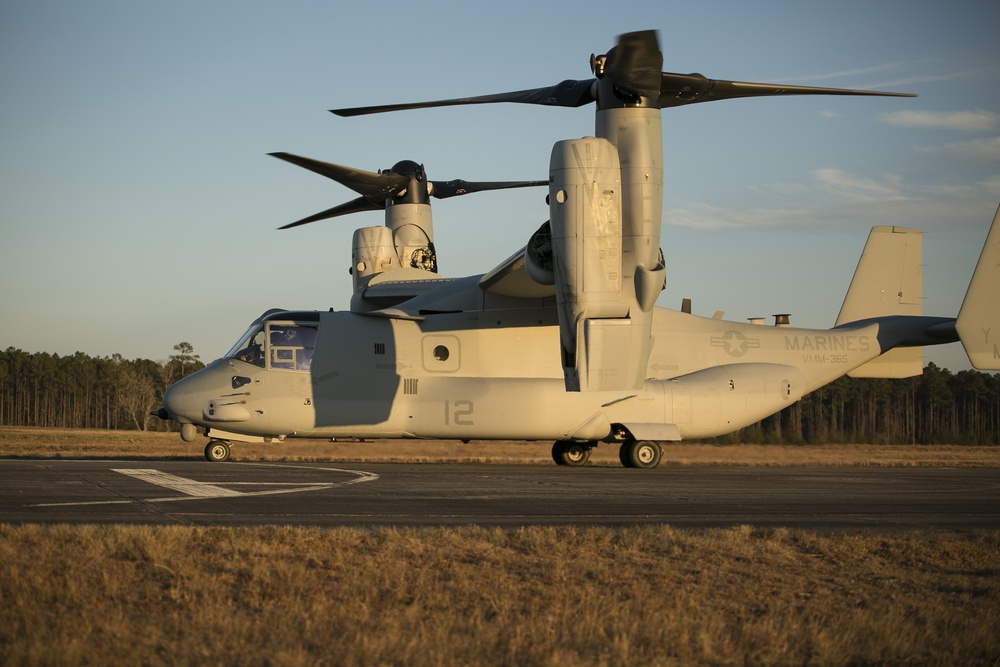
x,y
327,494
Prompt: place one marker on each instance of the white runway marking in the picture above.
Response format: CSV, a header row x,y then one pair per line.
x,y
184,485
195,490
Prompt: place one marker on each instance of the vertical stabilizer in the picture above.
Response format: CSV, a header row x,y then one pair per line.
x,y
978,323
888,281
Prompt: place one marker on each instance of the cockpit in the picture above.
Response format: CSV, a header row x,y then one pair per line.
x,y
278,343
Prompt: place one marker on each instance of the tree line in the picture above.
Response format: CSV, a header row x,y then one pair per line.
x,y
80,391
937,407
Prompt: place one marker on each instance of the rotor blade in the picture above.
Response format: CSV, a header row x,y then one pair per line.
x,y
569,93
680,89
445,189
634,64
374,187
353,206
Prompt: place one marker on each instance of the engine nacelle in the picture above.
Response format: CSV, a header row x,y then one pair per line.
x,y
586,218
406,241
413,235
538,260
373,252
607,267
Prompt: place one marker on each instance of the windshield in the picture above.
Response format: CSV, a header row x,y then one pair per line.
x,y
250,347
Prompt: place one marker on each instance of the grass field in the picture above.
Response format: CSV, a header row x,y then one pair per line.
x,y
114,595
643,595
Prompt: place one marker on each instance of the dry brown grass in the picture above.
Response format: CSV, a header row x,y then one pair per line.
x,y
48,443
646,595
649,595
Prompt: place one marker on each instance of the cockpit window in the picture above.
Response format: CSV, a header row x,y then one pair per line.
x,y
250,348
291,345
277,345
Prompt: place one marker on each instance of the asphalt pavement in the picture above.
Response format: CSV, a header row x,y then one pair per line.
x,y
380,494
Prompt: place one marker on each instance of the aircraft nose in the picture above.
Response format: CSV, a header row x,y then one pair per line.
x,y
174,401
183,399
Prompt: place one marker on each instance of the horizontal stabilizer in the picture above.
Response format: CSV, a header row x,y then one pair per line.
x,y
888,281
978,323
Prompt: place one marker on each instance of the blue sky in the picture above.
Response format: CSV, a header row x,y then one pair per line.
x,y
138,207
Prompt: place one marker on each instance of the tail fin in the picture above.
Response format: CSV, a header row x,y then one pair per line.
x,y
978,323
888,281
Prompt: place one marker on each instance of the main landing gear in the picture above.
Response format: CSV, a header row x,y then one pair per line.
x,y
640,453
570,453
217,451
633,453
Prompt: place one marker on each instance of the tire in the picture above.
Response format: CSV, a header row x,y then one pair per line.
x,y
569,453
217,451
640,454
623,453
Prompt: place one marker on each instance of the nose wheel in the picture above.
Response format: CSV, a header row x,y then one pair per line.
x,y
217,451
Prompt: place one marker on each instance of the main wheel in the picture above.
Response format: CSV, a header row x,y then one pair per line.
x,y
640,454
569,453
217,451
623,453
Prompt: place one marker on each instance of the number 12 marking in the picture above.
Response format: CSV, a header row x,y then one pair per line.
x,y
458,413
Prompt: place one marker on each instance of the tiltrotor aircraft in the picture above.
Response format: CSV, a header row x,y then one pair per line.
x,y
562,341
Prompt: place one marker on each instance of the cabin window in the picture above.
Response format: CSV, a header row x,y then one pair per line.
x,y
291,345
441,353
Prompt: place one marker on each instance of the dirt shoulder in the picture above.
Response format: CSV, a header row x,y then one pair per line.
x,y
93,443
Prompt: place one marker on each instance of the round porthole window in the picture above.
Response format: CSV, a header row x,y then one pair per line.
x,y
441,353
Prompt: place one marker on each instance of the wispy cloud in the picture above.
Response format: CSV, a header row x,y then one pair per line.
x,y
913,79
862,71
891,76
705,216
897,75
980,73
857,188
973,121
835,198
992,185
987,150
